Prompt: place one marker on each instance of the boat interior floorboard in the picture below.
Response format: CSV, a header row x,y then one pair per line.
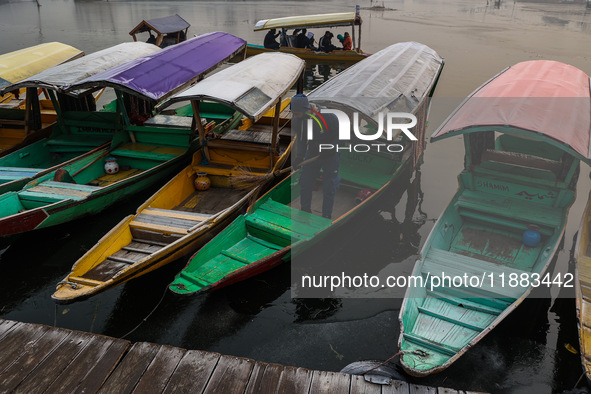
x,y
108,179
494,246
211,201
344,201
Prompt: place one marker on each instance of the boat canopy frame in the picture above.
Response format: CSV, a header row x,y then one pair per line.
x,y
383,81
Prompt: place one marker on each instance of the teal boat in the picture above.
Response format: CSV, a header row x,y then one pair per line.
x,y
146,154
401,76
524,133
78,130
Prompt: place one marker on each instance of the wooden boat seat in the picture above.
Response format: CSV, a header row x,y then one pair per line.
x,y
148,152
285,222
438,261
56,191
253,136
167,221
8,174
526,212
82,140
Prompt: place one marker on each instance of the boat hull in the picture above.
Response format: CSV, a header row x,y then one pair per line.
x,y
308,54
583,289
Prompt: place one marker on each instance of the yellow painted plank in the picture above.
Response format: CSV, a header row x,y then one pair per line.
x,y
108,179
158,228
169,150
175,214
85,281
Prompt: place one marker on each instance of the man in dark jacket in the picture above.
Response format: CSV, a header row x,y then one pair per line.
x,y
302,40
327,160
270,42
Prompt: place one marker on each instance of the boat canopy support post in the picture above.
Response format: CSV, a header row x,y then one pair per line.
x,y
202,140
275,132
359,40
353,37
32,111
56,107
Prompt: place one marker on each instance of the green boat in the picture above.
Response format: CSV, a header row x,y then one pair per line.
x,y
146,155
78,130
524,133
400,77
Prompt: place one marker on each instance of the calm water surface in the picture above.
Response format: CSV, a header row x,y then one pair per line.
x,y
257,318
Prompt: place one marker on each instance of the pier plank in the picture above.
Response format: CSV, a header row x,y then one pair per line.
x,y
17,341
83,364
193,372
130,370
18,371
55,363
444,390
5,326
419,389
360,386
95,378
230,375
330,382
264,378
160,371
397,387
295,380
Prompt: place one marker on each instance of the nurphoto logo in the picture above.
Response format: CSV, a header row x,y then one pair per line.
x,y
393,123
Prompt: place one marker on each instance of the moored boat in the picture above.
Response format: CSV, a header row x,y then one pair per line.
x,y
401,76
70,138
583,288
16,128
320,21
145,154
524,132
169,30
179,218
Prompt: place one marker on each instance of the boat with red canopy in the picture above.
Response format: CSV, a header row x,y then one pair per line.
x,y
524,132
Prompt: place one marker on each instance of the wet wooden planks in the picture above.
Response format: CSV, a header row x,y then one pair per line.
x,y
36,358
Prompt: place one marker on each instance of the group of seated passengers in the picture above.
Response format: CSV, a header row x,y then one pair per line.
x,y
306,40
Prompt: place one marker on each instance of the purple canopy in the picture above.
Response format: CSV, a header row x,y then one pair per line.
x,y
164,73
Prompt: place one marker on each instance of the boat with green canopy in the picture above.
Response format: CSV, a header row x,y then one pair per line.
x,y
74,134
146,154
524,132
400,77
17,128
320,21
181,216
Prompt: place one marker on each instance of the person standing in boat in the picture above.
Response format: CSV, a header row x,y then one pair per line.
x,y
270,42
307,149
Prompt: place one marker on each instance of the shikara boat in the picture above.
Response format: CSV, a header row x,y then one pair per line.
x,y
71,137
401,76
524,132
16,128
179,218
583,288
146,154
321,21
169,30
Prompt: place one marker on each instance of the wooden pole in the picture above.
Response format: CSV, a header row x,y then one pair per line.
x,y
353,34
275,132
199,124
27,111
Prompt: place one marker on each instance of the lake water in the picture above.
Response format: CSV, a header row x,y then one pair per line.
x,y
258,318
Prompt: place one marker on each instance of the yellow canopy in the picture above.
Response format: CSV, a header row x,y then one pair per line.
x,y
311,21
18,65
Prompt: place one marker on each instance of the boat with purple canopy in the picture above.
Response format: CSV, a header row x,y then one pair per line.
x,y
145,154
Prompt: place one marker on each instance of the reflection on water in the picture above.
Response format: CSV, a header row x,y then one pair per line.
x,y
258,318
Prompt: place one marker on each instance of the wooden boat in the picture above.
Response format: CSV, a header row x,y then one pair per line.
x,y
74,133
583,288
346,19
146,154
16,129
169,30
265,236
524,133
178,218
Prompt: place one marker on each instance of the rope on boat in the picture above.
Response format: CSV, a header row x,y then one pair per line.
x,y
148,316
419,353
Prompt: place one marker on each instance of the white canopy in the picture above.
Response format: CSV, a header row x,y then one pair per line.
x,y
395,79
62,76
252,86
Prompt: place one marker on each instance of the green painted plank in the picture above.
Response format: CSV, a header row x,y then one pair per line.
x,y
264,243
450,319
249,251
442,333
465,303
430,345
299,216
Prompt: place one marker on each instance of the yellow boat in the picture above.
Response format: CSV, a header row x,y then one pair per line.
x,y
583,288
178,218
347,19
15,128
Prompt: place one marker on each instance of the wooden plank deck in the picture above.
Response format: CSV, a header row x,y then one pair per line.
x,y
35,358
